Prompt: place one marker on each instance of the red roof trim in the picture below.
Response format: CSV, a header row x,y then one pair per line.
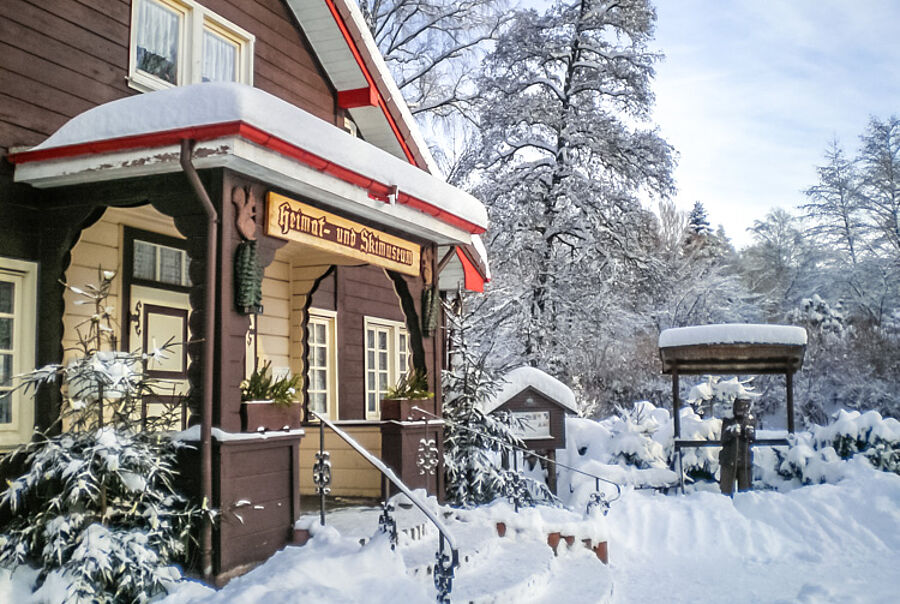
x,y
358,97
351,43
472,277
377,190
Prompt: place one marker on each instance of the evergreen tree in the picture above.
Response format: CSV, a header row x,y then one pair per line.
x,y
96,508
474,441
698,221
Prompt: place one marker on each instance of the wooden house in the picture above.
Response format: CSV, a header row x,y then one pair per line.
x,y
154,138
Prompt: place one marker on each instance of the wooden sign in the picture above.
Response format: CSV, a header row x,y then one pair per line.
x,y
532,424
295,221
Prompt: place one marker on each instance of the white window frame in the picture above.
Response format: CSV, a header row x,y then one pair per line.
x,y
329,319
395,329
195,19
24,274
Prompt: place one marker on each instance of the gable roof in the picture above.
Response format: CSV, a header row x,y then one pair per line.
x,y
519,379
337,31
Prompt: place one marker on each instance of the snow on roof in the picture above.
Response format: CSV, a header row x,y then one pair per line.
x,y
206,104
733,333
481,251
519,379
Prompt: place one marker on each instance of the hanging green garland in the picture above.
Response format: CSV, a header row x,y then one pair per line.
x,y
248,277
431,310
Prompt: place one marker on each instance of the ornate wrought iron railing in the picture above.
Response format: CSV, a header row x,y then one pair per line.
x,y
445,563
596,500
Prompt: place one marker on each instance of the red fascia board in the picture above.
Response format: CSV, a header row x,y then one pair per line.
x,y
472,277
358,97
376,190
137,141
351,44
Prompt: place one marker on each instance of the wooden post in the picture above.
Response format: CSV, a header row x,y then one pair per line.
x,y
675,403
789,382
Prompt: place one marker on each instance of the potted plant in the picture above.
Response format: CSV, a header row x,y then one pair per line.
x,y
268,403
411,391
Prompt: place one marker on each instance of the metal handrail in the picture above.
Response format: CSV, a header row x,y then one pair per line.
x,y
444,534
503,443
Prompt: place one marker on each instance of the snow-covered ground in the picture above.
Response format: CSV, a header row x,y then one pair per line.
x,y
822,543
832,542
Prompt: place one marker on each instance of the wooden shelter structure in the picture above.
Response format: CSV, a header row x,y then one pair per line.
x,y
731,349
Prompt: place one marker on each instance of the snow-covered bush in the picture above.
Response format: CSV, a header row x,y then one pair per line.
x,y
630,447
818,455
95,509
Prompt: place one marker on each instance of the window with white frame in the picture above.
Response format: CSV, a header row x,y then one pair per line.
x,y
18,298
387,360
178,42
321,346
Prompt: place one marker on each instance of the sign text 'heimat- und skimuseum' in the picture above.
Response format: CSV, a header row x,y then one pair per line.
x,y
295,221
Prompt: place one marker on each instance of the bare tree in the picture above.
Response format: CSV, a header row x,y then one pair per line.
x,y
880,161
834,203
432,47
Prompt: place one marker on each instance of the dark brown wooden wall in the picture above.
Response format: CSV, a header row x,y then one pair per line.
x,y
355,293
59,58
540,403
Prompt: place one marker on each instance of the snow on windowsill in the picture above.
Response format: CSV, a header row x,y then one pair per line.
x,y
733,333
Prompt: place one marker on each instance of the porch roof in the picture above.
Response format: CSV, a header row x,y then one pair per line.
x,y
252,132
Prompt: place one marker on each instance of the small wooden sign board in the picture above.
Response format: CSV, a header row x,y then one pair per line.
x,y
292,220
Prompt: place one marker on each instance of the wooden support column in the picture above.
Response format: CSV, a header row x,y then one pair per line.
x,y
676,403
789,383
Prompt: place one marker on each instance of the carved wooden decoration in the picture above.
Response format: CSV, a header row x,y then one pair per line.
x,y
245,212
428,265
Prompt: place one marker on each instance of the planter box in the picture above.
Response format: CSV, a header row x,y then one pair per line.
x,y
259,416
401,409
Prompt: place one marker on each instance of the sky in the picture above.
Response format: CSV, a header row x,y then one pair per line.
x,y
751,91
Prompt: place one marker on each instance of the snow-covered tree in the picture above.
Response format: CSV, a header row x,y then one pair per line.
x,y
96,508
474,441
834,203
698,221
880,165
781,264
566,152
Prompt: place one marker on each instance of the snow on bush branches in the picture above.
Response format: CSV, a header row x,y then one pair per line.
x,y
642,438
95,508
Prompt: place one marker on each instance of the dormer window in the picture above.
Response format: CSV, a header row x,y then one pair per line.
x,y
178,42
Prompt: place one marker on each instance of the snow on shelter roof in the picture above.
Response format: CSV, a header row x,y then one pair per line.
x,y
736,348
733,333
519,379
218,110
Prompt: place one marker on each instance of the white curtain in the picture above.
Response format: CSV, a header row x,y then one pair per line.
x,y
158,40
219,56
